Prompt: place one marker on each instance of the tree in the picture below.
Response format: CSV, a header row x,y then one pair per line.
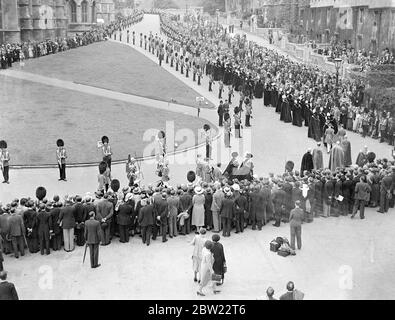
x,y
211,6
165,4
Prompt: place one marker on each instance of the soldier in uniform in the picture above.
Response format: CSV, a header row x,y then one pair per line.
x,y
134,37
61,159
131,170
106,150
4,160
199,73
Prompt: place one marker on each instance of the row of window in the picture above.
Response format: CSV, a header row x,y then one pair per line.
x,y
84,11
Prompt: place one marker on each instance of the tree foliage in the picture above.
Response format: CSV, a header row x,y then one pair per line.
x,y
211,6
166,4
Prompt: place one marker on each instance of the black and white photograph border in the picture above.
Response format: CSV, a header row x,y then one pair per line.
x,y
195,150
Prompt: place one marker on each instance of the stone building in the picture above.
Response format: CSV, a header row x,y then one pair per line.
x,y
362,23
22,20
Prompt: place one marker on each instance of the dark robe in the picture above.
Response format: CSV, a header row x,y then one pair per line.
x,y
336,159
258,90
361,159
346,145
219,258
307,163
297,116
318,161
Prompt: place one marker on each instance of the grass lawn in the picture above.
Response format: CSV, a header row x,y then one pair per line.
x,y
34,116
115,67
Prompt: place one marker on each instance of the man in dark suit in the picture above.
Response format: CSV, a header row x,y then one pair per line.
x,y
17,233
57,236
146,219
124,221
67,222
161,214
385,191
7,289
104,213
80,218
44,224
362,196
295,223
30,221
92,235
278,198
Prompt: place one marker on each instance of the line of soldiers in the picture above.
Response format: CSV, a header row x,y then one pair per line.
x,y
299,92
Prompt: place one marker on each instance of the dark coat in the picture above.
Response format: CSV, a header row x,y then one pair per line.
x,y
89,207
257,206
362,191
44,221
124,214
55,212
92,231
8,291
219,258
146,216
79,212
66,217
16,225
104,209
307,163
161,210
228,209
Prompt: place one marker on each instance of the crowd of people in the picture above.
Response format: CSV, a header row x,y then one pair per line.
x,y
302,94
11,53
363,58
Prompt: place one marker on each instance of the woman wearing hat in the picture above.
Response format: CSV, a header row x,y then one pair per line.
x,y
198,243
219,265
227,130
206,269
198,208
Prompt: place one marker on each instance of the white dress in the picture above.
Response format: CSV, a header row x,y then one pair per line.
x,y
206,267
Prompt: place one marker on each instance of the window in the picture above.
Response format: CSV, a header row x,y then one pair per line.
x,y
73,11
84,10
1,17
94,12
361,15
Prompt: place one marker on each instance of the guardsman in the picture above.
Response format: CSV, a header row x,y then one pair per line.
x,y
4,161
134,37
61,159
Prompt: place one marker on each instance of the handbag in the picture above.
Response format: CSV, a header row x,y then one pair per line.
x,y
216,277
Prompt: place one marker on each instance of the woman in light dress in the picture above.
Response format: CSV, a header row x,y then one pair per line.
x,y
206,269
227,130
198,208
198,243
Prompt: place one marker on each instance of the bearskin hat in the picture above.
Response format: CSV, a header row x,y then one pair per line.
x,y
60,143
115,185
102,167
191,176
289,166
41,192
3,144
206,127
105,139
371,156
